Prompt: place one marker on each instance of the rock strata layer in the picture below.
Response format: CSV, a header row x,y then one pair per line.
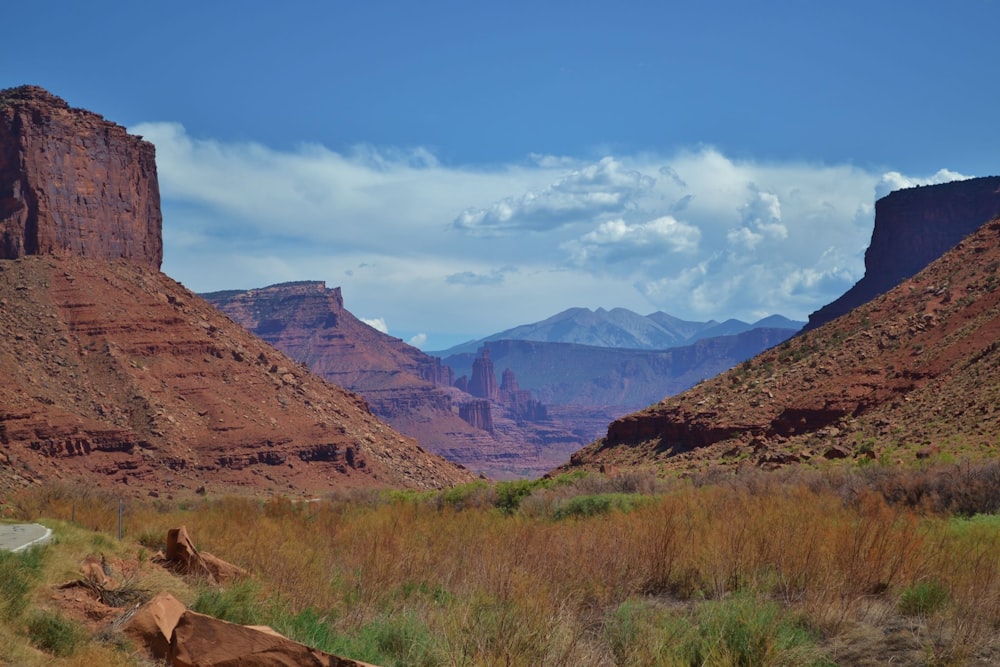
x,y
115,374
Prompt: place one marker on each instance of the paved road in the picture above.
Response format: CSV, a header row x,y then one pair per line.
x,y
20,536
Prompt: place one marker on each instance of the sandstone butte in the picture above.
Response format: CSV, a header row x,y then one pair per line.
x,y
912,373
111,373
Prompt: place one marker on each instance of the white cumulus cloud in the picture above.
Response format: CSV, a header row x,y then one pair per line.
x,y
617,240
470,250
606,186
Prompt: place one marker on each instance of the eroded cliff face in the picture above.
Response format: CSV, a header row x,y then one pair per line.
x,y
73,183
913,227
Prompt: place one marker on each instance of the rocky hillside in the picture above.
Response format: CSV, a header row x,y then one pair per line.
x,y
500,435
914,373
72,182
913,227
113,374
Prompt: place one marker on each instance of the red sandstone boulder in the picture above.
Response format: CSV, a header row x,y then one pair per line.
x,y
152,626
203,641
182,556
178,637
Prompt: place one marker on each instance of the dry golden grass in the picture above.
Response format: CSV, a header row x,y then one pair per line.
x,y
478,586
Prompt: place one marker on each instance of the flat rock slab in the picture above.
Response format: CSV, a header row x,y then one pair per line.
x,y
20,536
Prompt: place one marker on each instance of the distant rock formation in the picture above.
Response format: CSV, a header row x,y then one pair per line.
x,y
515,403
564,374
72,182
483,383
518,402
413,391
620,328
913,227
477,413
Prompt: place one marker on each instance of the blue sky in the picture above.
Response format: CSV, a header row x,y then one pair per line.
x,y
463,167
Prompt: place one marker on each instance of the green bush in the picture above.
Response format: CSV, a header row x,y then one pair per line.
x,y
746,631
922,599
586,506
396,640
18,574
309,627
465,496
741,631
510,494
54,634
239,603
639,633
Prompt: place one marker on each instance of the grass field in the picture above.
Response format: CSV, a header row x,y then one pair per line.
x,y
805,568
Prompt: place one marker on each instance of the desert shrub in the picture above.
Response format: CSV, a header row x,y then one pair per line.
x,y
309,627
510,494
742,631
639,633
922,599
153,539
964,489
587,506
448,578
18,574
746,631
477,494
397,640
54,634
242,603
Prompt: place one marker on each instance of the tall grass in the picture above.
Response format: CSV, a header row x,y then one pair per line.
x,y
771,569
19,572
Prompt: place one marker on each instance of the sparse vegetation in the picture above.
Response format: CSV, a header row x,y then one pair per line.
x,y
759,569
55,634
923,598
19,572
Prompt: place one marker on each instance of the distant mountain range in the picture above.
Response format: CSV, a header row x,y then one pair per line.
x,y
621,328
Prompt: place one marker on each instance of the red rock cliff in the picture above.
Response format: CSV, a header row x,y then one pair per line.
x,y
72,182
913,227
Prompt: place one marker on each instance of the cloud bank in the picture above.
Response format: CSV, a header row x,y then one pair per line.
x,y
451,252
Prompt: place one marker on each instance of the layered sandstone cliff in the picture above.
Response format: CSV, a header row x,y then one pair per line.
x,y
72,182
913,227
